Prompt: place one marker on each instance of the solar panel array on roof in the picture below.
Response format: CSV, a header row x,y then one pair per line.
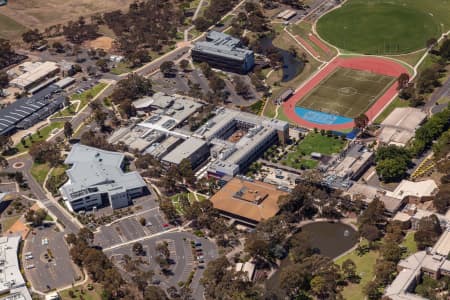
x,y
27,111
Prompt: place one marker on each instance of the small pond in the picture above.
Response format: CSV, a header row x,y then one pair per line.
x,y
292,66
330,238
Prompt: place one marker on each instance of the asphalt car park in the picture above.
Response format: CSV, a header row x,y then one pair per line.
x,y
182,253
46,260
130,228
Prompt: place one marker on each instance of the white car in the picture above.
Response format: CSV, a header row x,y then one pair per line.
x,y
30,267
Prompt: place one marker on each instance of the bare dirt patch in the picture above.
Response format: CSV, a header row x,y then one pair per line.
x,y
41,14
103,42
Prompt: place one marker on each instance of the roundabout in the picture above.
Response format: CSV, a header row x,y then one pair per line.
x,y
18,165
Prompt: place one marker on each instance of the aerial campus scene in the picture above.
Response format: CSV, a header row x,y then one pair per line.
x,y
224,149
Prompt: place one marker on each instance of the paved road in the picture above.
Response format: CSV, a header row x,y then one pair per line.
x,y
198,77
63,216
443,91
154,66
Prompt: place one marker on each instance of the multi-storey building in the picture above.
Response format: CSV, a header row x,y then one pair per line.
x,y
97,179
224,52
238,138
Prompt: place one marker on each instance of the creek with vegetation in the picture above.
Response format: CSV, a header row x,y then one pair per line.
x,y
292,65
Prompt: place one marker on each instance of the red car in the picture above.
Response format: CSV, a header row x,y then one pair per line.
x,y
166,225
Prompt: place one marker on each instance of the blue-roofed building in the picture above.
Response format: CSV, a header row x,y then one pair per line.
x,y
224,52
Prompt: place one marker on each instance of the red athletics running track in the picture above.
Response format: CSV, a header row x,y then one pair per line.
x,y
367,63
307,46
319,43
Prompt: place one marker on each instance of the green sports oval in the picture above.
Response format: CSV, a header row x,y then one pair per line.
x,y
378,27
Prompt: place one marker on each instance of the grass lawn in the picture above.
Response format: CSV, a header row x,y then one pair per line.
x,y
191,198
10,29
409,244
120,68
313,142
364,268
256,107
410,58
269,109
201,198
88,95
194,4
107,102
68,112
397,102
44,133
282,116
82,292
40,171
444,100
428,62
385,26
293,160
59,172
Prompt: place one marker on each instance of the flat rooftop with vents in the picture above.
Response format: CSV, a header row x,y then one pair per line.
x,y
223,51
238,138
12,283
97,179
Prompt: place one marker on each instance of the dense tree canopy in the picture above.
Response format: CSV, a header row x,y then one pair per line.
x,y
131,88
431,130
79,31
43,152
392,162
428,232
147,24
222,282
7,53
